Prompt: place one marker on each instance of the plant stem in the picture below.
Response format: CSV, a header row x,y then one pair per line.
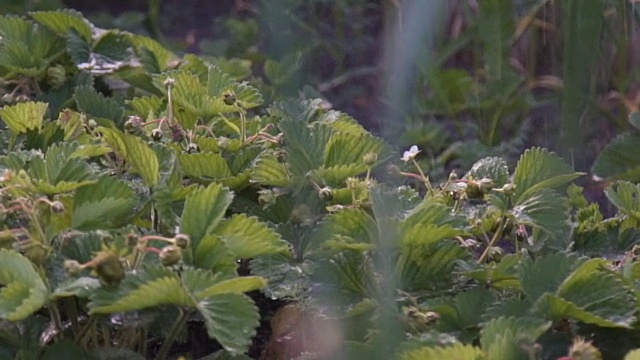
x,y
55,315
175,330
72,313
85,330
497,235
425,179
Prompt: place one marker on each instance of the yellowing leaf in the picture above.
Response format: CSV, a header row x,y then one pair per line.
x,y
23,117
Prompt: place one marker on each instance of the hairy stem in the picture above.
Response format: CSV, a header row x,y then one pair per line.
x,y
175,330
497,235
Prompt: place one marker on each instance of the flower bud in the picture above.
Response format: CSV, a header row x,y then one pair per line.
x,y
156,134
326,193
181,241
57,207
168,82
223,143
192,148
133,122
72,268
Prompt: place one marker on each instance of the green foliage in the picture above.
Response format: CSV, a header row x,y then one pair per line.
x,y
137,185
23,291
23,117
230,317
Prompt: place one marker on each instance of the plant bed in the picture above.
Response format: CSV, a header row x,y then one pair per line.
x,y
154,206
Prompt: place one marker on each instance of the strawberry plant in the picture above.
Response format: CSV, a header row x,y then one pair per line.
x,y
147,198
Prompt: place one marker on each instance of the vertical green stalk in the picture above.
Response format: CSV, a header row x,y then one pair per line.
x,y
181,321
496,236
582,22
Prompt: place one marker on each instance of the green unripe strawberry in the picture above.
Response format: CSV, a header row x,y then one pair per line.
x,y
36,253
170,255
56,76
370,159
109,268
229,97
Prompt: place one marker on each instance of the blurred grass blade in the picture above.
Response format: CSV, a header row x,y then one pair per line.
x,y
496,27
582,27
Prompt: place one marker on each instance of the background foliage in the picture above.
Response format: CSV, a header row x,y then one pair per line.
x,y
168,178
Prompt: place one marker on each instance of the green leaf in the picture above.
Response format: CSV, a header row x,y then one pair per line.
x,y
213,254
152,286
269,171
430,267
104,204
341,122
542,211
114,45
493,168
546,274
78,48
81,287
95,104
605,298
232,319
204,166
508,337
61,21
393,202
27,49
471,305
146,106
247,237
539,169
619,160
58,171
458,351
217,81
23,117
347,149
142,158
236,285
190,96
23,291
203,210
161,55
305,144
285,277
624,195
248,96
353,223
